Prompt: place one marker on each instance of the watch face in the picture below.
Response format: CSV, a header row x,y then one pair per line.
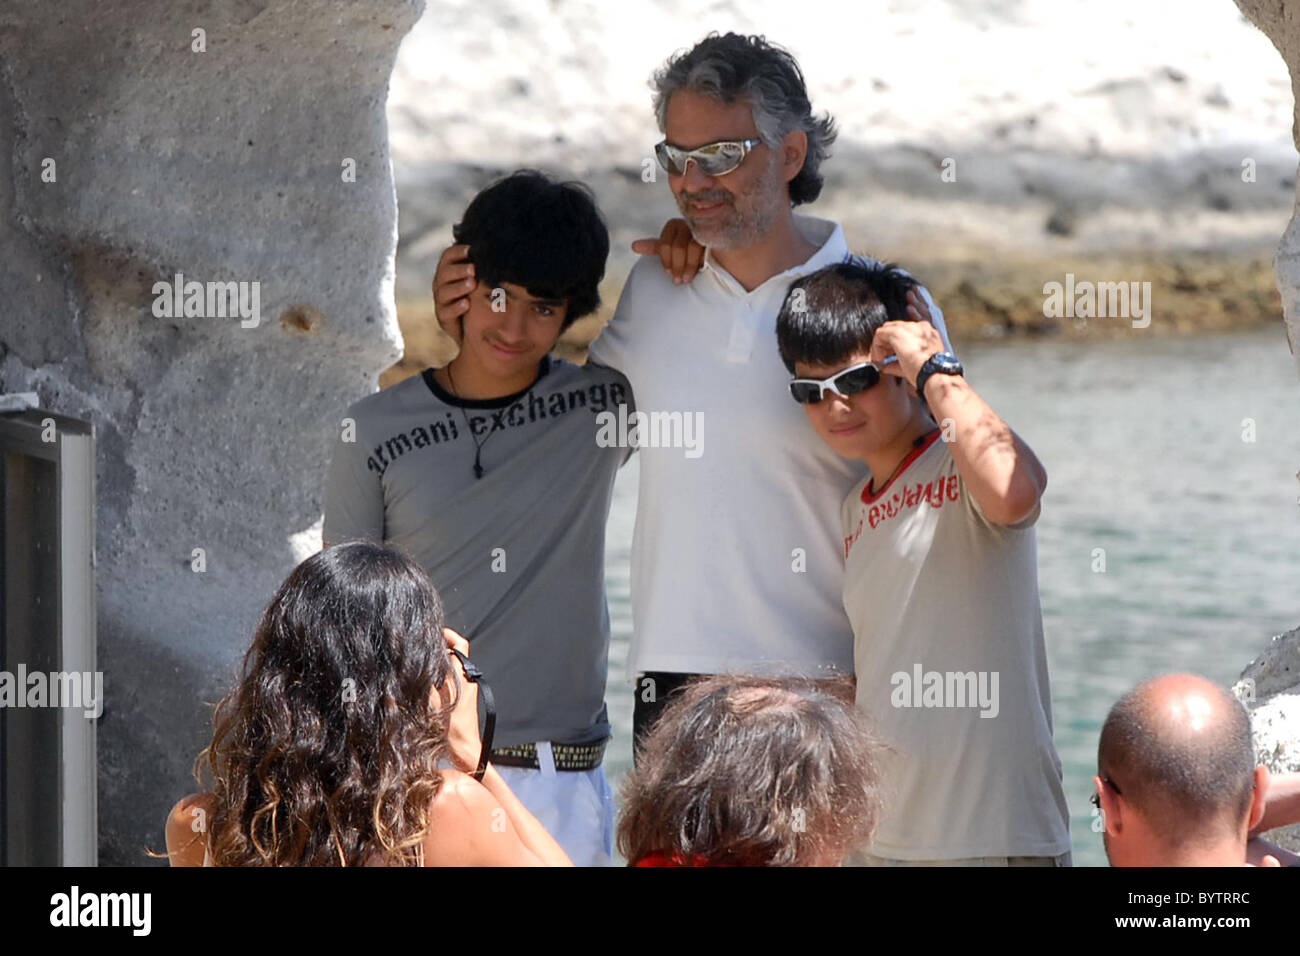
x,y
944,362
941,363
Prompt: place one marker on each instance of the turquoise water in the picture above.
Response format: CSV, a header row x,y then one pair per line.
x,y
1143,443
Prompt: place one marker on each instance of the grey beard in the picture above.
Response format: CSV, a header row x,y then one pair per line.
x,y
747,227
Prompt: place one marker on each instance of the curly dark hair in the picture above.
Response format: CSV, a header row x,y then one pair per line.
x,y
754,771
327,751
731,68
546,236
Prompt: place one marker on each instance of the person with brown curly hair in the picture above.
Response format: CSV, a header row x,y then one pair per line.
x,y
753,771
347,738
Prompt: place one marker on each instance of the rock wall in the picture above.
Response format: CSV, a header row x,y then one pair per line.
x,y
1271,684
1270,688
211,139
1279,20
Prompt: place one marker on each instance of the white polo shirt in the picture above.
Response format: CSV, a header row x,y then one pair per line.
x,y
737,556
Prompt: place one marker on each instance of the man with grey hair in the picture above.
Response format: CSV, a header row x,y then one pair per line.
x,y
1177,783
736,559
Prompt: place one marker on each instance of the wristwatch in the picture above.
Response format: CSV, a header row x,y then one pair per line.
x,y
944,363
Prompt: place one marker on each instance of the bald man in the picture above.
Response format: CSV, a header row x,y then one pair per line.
x,y
1177,781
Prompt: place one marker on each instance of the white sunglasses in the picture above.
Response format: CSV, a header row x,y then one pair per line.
x,y
849,381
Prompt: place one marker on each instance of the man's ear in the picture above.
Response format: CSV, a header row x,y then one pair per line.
x,y
1260,799
1110,811
794,149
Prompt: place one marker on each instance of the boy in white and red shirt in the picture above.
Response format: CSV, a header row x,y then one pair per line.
x,y
941,578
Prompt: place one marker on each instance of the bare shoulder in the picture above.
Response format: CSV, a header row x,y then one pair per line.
x,y
193,806
187,829
468,827
458,794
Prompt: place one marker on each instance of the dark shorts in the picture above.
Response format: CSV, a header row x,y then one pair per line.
x,y
652,691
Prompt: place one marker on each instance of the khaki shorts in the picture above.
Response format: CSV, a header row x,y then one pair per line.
x,y
866,859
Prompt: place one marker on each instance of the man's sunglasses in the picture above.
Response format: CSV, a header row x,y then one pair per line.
x,y
715,159
851,381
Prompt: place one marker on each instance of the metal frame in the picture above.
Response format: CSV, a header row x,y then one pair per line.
x,y
73,458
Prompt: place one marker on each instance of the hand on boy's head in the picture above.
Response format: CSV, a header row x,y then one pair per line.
x,y
678,252
917,309
912,341
453,281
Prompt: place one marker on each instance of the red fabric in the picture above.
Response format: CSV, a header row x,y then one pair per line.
x,y
663,859
915,453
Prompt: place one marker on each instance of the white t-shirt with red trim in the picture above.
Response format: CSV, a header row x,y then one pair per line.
x,y
951,664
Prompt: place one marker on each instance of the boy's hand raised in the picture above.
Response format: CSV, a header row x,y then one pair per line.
x,y
912,342
677,250
453,281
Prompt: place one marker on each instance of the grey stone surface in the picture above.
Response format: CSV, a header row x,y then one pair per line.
x,y
1279,20
1270,688
1273,679
223,165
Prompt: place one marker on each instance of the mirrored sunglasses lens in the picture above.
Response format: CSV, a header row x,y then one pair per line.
x,y
669,158
720,158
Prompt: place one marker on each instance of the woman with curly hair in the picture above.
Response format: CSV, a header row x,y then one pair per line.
x,y
753,771
348,736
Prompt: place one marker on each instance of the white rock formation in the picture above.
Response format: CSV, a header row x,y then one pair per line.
x,y
1125,123
1274,676
1280,22
1270,688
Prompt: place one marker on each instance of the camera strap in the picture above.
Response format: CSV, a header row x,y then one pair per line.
x,y
489,726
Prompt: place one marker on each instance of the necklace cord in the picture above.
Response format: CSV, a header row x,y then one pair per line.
x,y
478,445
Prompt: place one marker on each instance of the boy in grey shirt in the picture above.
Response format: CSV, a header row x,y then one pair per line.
x,y
488,472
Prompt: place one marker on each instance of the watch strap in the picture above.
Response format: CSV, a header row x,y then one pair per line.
x,y
944,362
